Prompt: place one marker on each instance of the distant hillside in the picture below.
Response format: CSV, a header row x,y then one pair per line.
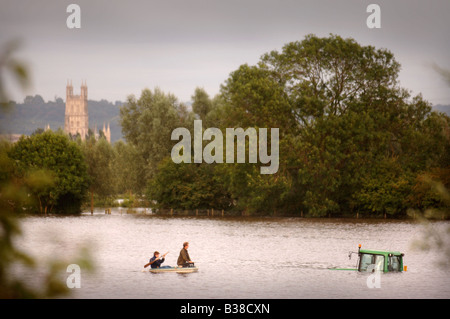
x,y
34,113
442,108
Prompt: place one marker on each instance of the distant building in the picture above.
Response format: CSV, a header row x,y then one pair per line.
x,y
76,117
107,132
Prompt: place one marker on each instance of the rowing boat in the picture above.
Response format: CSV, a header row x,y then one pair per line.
x,y
181,270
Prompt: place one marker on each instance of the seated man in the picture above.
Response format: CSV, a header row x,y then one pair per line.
x,y
184,260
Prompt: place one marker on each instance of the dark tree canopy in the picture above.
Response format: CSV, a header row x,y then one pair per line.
x,y
53,169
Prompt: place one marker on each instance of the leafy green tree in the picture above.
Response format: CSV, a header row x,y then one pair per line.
x,y
148,122
253,97
99,157
430,190
129,169
187,186
201,104
351,139
342,116
385,190
53,170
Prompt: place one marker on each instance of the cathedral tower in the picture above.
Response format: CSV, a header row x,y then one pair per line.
x,y
107,132
76,118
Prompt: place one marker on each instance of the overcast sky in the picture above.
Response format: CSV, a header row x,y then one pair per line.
x,y
177,45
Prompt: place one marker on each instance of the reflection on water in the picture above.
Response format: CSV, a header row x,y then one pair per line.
x,y
237,257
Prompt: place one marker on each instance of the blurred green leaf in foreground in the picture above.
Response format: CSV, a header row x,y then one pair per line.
x,y
14,192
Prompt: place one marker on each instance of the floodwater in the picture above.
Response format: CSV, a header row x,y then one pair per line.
x,y
237,257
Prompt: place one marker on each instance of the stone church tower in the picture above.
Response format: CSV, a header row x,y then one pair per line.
x,y
107,132
76,118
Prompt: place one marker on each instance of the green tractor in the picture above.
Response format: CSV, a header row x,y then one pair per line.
x,y
377,260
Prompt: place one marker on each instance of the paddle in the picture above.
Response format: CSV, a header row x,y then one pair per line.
x,y
145,266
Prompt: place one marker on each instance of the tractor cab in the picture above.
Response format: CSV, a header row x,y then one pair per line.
x,y
378,260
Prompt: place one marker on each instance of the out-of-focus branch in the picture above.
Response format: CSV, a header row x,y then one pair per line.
x,y
444,73
15,68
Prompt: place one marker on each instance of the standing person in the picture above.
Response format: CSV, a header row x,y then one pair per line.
x,y
155,262
184,260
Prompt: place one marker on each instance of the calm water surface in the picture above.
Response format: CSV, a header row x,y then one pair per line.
x,y
237,258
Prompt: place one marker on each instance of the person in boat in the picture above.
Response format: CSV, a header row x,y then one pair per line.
x,y
155,262
183,259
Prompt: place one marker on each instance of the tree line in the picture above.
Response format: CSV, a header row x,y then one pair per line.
x,y
60,174
352,140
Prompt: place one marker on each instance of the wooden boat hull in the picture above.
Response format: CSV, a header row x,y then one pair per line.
x,y
180,270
